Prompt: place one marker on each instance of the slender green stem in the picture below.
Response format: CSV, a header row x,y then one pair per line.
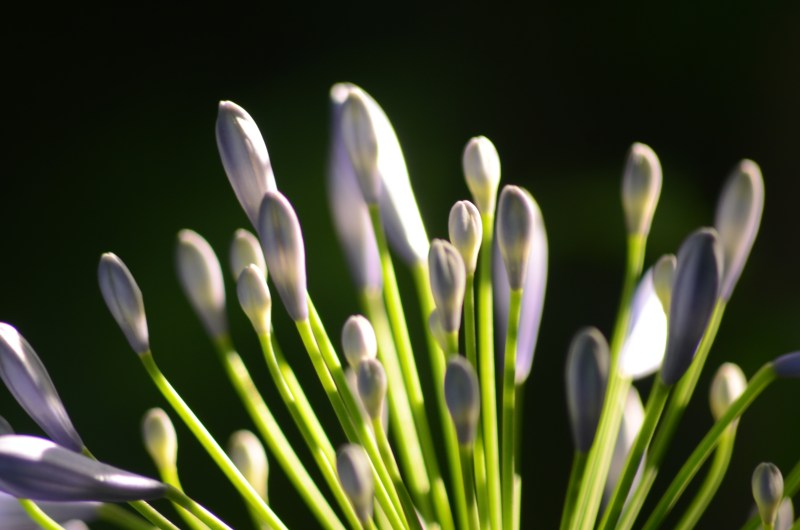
x,y
716,473
487,372
578,466
519,404
116,515
757,384
209,444
38,516
271,432
181,499
469,487
509,399
169,475
655,405
599,458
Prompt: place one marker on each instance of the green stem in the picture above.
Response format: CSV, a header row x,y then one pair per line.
x,y
578,466
716,473
271,432
469,487
519,403
38,516
509,400
209,444
599,458
170,476
181,499
757,384
111,513
791,485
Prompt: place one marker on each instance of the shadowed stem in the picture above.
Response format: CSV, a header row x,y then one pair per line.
x,y
181,499
578,466
509,399
469,486
38,516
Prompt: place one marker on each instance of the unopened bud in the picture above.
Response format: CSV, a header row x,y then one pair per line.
x,y
516,223
481,165
372,386
663,278
124,300
448,283
767,491
586,378
728,384
255,299
355,475
248,455
466,233
361,141
641,187
246,250
463,398
160,439
358,340
200,276
787,366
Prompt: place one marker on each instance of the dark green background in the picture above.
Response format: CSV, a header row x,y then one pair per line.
x,y
110,145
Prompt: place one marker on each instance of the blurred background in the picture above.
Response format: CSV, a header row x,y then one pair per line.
x,y
109,146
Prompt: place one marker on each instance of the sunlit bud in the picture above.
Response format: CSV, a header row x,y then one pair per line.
x,y
67,514
694,295
124,300
787,366
255,299
249,457
350,213
437,330
481,165
738,219
160,439
663,278
27,379
641,187
5,427
361,141
466,231
448,282
372,386
355,474
244,156
351,375
767,491
586,377
463,398
246,250
358,340
646,338
38,469
200,276
631,424
282,242
516,226
728,384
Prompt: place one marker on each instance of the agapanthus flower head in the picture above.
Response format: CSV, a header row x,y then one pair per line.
x,y
481,165
466,232
248,455
728,384
586,378
124,300
160,438
246,250
463,398
646,338
641,187
516,225
358,340
355,475
27,379
767,491
372,386
244,157
200,276
255,299
448,282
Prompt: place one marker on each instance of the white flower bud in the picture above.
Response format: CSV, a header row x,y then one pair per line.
x,y
767,491
728,384
448,283
255,299
355,475
463,398
516,224
466,232
249,457
160,439
372,386
358,340
481,165
124,300
246,250
200,276
586,378
641,187
361,141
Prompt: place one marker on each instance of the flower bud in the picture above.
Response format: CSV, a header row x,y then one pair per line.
x,y
586,378
646,338
282,242
244,157
481,165
641,187
249,457
5,427
663,278
787,366
372,386
694,295
160,439
516,226
27,379
463,398
466,233
351,375
632,419
737,220
200,276
355,474
448,282
124,299
246,250
361,141
38,469
728,384
358,340
767,491
255,299
437,330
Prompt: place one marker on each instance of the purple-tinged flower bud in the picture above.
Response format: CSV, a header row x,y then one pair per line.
x,y
282,242
785,518
350,213
586,378
255,299
533,292
787,366
248,455
200,276
663,278
372,385
246,250
351,375
448,283
358,340
355,475
645,341
641,187
694,295
481,165
27,379
516,228
738,219
245,158
728,384
632,419
767,491
124,299
437,330
463,398
14,517
160,439
466,232
38,469
361,141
